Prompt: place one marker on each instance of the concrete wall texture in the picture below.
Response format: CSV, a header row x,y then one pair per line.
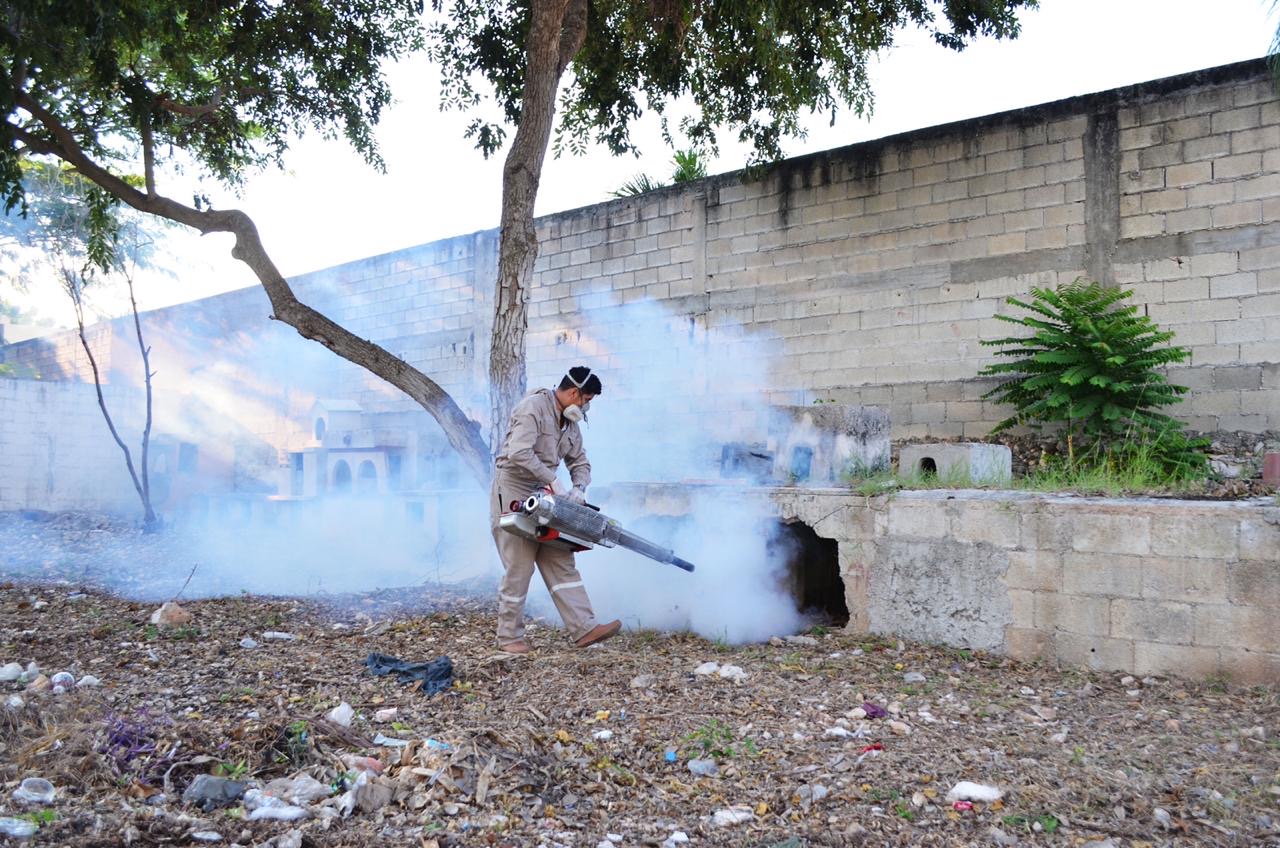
x,y
1148,587
875,270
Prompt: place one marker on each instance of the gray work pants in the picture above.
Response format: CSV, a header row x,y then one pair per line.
x,y
519,556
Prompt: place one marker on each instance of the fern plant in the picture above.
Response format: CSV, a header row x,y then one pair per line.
x,y
1090,366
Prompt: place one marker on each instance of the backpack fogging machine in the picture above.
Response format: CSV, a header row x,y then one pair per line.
x,y
553,521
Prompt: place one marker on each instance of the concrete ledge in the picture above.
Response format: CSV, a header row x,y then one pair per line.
x,y
1144,585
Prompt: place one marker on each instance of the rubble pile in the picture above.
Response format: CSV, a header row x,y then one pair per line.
x,y
817,739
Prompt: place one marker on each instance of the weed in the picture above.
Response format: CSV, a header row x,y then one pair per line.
x,y
1048,823
716,740
228,769
1077,756
903,811
40,818
818,630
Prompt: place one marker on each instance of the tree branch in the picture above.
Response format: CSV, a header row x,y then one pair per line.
x,y
573,32
462,433
194,111
148,155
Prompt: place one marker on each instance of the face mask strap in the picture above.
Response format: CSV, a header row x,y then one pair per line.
x,y
578,384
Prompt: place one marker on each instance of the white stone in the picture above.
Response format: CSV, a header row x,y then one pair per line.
x,y
707,668
968,791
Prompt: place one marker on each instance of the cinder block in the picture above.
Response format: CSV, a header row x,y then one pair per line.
x,y
1034,570
1153,621
1196,581
1087,616
1182,660
1108,575
979,462
1201,537
1096,652
918,519
997,524
1235,626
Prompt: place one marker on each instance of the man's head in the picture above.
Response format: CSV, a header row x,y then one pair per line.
x,y
576,391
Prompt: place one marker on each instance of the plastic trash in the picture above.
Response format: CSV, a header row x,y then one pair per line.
x,y
390,742
732,816
206,836
732,672
88,682
35,790
17,828
266,807
968,791
64,679
874,710
670,755
388,714
435,676
278,636
677,837
300,790
208,792
962,806
913,677
14,702
839,732
10,672
704,768
248,644
707,668
602,735
341,714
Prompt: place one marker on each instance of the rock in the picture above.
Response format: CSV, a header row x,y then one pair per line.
x,y
341,714
386,715
1162,818
1059,738
707,668
812,793
839,732
732,672
88,682
857,713
999,837
248,643
35,790
602,735
10,672
677,837
731,816
704,768
171,614
1026,691
14,702
292,839
643,681
40,684
208,792
807,641
968,791
65,679
1127,681
913,677
900,728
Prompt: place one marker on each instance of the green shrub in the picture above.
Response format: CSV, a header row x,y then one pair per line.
x,y
1090,368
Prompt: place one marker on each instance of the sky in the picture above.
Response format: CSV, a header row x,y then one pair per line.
x,y
329,207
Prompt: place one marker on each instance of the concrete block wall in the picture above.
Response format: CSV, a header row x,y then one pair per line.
x,y
52,433
870,274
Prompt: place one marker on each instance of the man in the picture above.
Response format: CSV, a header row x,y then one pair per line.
x,y
543,433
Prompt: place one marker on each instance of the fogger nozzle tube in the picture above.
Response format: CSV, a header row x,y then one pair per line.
x,y
593,527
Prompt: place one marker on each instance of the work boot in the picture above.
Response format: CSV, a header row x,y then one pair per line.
x,y
519,646
599,633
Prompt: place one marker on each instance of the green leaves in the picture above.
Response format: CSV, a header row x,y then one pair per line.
x,y
1090,366
755,66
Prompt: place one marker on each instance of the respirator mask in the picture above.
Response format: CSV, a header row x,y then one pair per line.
x,y
577,413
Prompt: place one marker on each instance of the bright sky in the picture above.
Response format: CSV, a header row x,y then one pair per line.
x,y
329,207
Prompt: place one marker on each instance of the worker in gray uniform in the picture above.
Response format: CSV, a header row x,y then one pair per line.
x,y
543,433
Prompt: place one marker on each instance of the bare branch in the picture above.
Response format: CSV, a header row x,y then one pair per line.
x,y
198,110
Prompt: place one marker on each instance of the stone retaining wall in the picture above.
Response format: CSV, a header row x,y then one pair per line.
x,y
1147,586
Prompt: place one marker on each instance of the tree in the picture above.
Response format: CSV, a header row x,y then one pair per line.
x,y
753,65
223,86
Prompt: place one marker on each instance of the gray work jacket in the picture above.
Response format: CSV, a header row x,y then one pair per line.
x,y
537,441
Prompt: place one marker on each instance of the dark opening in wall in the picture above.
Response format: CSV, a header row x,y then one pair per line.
x,y
928,466
812,572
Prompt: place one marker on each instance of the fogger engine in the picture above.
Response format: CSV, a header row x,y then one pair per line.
x,y
550,520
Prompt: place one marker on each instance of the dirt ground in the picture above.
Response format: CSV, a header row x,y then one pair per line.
x,y
571,747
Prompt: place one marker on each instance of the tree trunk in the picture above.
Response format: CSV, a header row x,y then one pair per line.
x,y
462,433
556,33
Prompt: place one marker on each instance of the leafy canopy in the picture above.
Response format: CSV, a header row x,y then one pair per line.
x,y
1091,366
756,65
228,82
